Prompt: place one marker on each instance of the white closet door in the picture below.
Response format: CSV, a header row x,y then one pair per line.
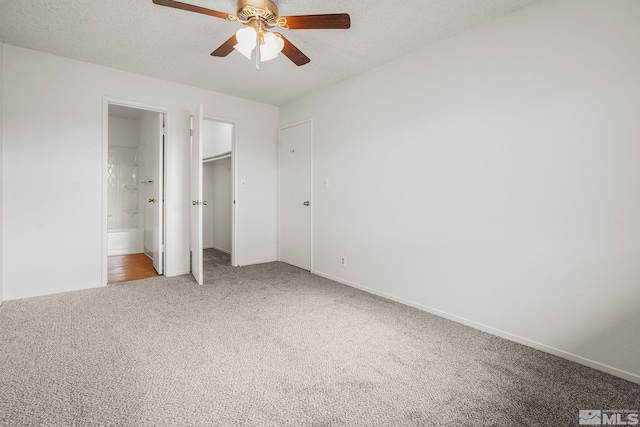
x,y
195,232
295,195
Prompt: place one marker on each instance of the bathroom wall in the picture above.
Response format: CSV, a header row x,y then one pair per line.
x,y
124,207
124,132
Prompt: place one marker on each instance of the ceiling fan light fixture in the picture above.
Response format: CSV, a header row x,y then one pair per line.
x,y
259,18
246,38
271,47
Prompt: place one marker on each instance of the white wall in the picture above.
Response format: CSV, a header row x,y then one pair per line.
x,y
1,171
124,132
54,169
217,138
217,214
494,178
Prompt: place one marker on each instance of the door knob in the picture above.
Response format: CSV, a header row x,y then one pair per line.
x,y
195,203
204,203
152,200
306,203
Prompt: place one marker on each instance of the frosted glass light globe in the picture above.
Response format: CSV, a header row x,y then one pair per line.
x,y
272,46
246,38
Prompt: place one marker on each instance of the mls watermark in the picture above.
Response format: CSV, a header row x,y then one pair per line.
x,y
604,417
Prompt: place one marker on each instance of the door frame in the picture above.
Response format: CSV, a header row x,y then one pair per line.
x,y
311,200
234,181
106,101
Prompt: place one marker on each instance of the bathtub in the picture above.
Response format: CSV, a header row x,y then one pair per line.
x,y
124,241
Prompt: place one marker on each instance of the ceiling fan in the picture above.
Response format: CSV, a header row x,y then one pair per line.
x,y
259,18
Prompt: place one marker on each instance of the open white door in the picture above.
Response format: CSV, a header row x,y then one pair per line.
x,y
195,232
156,202
295,195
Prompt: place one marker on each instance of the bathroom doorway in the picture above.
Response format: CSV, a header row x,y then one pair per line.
x,y
134,187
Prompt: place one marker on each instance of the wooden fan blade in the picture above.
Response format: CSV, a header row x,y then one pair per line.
x,y
333,21
225,48
191,8
292,52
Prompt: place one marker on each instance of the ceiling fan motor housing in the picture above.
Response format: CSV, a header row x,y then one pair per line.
x,y
265,10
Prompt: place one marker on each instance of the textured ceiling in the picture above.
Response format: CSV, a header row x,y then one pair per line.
x,y
172,44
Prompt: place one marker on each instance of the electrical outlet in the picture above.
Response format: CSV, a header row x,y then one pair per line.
x,y
343,261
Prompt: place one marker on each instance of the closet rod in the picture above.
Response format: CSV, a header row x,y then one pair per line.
x,y
213,159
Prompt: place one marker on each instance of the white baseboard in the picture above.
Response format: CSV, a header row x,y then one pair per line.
x,y
226,251
43,292
493,331
176,273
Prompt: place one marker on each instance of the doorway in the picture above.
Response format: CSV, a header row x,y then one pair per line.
x,y
295,204
133,191
217,185
213,194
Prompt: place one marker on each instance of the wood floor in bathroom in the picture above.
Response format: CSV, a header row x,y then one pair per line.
x,y
123,268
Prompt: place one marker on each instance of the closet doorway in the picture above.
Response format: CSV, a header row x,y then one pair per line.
x,y
134,191
213,194
217,186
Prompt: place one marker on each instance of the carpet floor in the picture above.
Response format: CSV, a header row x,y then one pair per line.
x,y
272,345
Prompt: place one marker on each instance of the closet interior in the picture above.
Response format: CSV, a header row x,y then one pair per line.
x,y
217,185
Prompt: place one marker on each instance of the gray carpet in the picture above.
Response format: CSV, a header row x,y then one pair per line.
x,y
272,345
